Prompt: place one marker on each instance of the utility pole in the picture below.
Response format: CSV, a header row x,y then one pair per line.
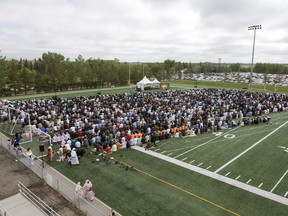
x,y
254,27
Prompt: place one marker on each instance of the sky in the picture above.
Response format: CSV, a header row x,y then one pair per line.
x,y
146,30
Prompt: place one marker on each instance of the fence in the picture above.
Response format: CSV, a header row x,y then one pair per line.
x,y
47,210
61,184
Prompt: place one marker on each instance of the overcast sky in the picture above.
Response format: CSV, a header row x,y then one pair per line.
x,y
146,30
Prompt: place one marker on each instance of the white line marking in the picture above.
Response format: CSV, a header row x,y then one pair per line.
x,y
163,152
286,194
238,177
229,181
227,174
208,167
279,181
199,164
248,149
184,159
157,150
170,154
206,142
248,181
260,185
191,161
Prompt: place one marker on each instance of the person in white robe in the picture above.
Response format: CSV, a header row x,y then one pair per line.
x,y
74,157
78,189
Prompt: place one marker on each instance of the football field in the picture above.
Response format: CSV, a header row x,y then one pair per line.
x,y
255,155
236,171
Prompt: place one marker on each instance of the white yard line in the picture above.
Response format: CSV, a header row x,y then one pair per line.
x,y
238,177
279,181
230,181
286,194
248,149
208,167
170,154
191,161
199,164
184,159
227,174
248,181
205,143
163,152
260,185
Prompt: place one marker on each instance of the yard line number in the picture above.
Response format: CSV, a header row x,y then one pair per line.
x,y
227,136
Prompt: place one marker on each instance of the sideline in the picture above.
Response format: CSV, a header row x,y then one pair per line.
x,y
248,149
216,176
183,190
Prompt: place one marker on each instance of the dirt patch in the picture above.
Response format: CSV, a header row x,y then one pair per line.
x,y
12,170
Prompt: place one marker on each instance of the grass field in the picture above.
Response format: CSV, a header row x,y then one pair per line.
x,y
175,84
254,155
157,187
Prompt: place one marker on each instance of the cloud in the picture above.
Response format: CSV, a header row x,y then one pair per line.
x,y
150,30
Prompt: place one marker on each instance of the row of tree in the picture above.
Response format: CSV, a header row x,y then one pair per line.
x,y
53,72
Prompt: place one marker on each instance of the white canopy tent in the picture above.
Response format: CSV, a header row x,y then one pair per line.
x,y
155,83
144,83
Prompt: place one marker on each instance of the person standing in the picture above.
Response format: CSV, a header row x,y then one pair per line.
x,y
74,157
49,155
88,190
78,189
29,156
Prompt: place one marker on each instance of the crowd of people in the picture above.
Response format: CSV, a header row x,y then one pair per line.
x,y
109,122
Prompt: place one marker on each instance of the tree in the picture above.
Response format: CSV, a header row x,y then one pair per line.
x,y
4,90
13,76
168,69
27,78
235,67
54,70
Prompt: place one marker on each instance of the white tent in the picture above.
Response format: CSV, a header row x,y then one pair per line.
x,y
155,83
144,83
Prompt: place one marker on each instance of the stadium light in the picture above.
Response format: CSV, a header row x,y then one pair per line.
x,y
254,27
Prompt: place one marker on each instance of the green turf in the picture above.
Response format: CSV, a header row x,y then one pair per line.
x,y
134,193
172,189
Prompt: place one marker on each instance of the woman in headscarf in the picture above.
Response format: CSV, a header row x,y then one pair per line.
x,y
88,190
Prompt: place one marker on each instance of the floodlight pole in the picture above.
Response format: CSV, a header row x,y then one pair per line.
x,y
254,27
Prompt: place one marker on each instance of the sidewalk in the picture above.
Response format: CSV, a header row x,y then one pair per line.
x,y
15,205
62,184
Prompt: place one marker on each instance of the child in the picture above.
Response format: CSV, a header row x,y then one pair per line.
x,y
49,155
